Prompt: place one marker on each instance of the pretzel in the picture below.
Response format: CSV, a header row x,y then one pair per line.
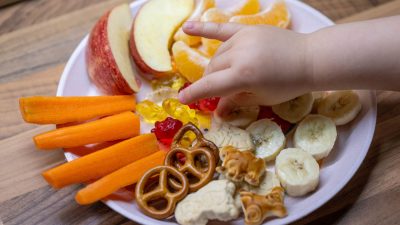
x,y
191,166
200,141
161,191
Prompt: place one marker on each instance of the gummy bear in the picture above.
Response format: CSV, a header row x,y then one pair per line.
x,y
205,105
165,130
204,119
179,111
208,104
150,111
175,82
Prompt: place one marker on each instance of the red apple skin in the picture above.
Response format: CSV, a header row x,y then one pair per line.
x,y
147,72
102,67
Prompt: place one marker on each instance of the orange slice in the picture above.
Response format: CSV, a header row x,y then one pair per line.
x,y
215,15
201,7
276,15
190,62
244,7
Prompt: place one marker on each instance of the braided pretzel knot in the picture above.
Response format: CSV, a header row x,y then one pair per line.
x,y
192,166
161,191
200,141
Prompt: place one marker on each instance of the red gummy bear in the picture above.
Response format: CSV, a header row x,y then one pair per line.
x,y
266,112
208,104
205,105
165,130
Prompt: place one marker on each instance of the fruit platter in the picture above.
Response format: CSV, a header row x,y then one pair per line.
x,y
132,144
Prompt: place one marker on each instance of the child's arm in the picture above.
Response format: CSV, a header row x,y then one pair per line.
x,y
267,65
363,55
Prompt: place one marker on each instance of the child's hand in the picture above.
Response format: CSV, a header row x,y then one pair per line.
x,y
256,65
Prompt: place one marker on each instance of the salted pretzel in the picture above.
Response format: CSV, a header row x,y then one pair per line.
x,y
193,165
201,152
144,198
199,142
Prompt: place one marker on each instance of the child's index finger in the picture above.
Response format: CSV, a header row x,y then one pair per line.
x,y
213,85
211,30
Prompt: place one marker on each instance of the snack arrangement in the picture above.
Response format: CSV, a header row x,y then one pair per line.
x,y
192,165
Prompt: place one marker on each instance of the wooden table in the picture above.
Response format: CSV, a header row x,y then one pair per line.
x,y
37,38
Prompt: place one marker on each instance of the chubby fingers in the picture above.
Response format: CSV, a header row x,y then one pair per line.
x,y
210,30
217,63
219,83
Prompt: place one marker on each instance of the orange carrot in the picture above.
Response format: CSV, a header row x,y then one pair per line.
x,y
123,177
88,149
59,110
121,126
102,162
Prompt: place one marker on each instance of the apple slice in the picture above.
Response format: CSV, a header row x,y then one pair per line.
x,y
107,53
201,7
152,33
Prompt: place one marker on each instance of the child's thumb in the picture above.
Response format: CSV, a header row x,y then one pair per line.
x,y
217,31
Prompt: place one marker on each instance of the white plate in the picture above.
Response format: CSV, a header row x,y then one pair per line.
x,y
350,149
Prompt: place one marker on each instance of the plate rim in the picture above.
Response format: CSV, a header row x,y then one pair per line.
x,y
356,165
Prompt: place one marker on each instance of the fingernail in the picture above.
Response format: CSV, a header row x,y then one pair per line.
x,y
181,97
188,25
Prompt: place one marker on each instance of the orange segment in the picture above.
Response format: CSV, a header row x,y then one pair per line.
x,y
217,16
189,62
244,7
201,7
276,15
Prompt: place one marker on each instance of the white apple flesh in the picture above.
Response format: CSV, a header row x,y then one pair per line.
x,y
107,57
152,33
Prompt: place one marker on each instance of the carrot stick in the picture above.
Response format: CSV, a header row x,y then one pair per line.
x,y
88,149
123,177
102,162
121,126
59,110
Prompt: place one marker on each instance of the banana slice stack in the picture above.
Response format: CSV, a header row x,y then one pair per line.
x,y
296,169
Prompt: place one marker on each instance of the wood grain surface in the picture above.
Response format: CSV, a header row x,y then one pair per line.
x,y
37,38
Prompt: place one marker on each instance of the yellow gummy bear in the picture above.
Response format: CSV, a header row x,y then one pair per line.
x,y
175,82
150,111
179,111
204,119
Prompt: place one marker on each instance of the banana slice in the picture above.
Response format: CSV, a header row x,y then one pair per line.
x,y
297,171
295,109
267,137
318,96
160,94
224,134
241,116
315,134
341,106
